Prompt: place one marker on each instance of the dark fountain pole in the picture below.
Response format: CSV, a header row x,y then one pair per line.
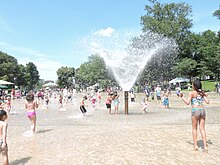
x,y
126,102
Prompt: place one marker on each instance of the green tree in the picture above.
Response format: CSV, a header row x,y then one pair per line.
x,y
92,72
20,76
9,67
203,70
171,20
66,76
209,52
217,13
186,67
31,76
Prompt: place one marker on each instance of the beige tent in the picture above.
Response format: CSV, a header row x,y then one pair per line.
x,y
3,82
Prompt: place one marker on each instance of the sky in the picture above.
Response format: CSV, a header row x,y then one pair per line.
x,y
49,32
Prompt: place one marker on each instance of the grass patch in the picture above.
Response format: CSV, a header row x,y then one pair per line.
x,y
208,85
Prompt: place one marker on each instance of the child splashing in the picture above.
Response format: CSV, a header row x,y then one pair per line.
x,y
30,106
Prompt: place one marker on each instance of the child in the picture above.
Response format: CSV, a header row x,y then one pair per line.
x,y
144,104
93,101
116,102
82,105
158,93
109,102
46,102
99,98
196,98
61,102
8,105
166,99
178,90
132,97
30,106
3,136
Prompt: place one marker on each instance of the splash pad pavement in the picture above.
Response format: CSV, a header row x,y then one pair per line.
x,y
161,136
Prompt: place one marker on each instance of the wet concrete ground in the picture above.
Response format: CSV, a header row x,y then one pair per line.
x,y
161,136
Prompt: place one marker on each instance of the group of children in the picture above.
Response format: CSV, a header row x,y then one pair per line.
x,y
95,99
112,97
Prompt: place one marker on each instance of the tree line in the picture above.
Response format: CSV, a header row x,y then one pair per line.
x,y
23,76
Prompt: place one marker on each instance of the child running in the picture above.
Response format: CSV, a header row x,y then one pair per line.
x,y
82,105
196,98
3,136
30,106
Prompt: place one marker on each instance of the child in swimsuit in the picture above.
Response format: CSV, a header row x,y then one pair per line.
x,y
166,99
3,136
82,105
116,102
30,106
196,98
108,102
61,103
93,101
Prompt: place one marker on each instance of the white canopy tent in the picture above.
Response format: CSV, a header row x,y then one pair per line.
x,y
182,82
179,80
3,82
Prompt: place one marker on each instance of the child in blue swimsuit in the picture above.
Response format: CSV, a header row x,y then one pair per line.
x,y
196,98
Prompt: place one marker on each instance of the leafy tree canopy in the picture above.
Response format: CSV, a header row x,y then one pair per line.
x,y
217,13
170,20
66,76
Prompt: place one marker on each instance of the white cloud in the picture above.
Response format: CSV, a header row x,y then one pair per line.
x,y
105,32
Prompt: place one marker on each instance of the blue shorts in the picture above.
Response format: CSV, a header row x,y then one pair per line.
x,y
165,101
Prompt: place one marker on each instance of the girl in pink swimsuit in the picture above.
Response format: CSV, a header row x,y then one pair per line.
x,y
30,106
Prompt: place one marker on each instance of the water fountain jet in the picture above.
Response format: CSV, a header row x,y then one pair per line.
x,y
127,53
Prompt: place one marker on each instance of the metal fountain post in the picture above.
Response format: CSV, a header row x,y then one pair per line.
x,y
126,102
